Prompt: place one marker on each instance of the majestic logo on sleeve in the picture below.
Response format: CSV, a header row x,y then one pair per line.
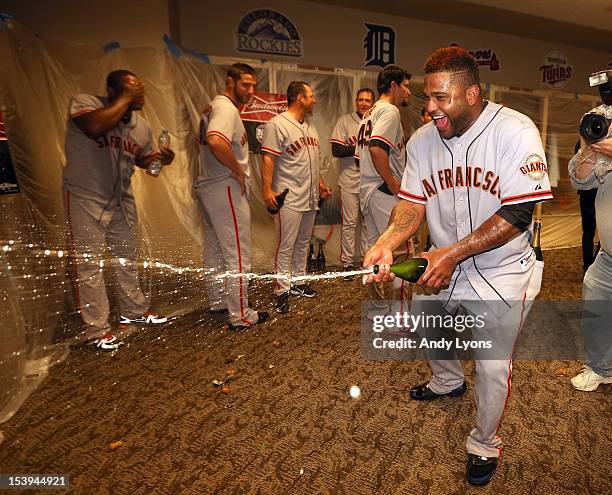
x,y
270,32
534,167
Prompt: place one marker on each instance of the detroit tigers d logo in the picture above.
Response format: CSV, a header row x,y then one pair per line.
x,y
379,43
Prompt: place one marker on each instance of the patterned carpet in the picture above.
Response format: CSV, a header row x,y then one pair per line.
x,y
287,424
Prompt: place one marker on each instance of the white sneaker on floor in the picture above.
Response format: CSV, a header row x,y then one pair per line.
x,y
588,380
149,318
108,342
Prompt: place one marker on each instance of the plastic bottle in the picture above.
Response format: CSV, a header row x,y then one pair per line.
x,y
155,166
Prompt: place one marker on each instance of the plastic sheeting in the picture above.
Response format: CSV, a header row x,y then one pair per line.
x,y
37,78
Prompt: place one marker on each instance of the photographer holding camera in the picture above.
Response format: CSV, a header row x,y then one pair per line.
x,y
590,167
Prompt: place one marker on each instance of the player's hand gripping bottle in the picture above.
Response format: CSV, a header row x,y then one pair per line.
x,y
537,227
280,201
409,270
155,166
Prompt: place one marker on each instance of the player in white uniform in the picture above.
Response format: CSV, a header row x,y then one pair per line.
x,y
380,155
291,156
223,189
105,139
343,141
476,172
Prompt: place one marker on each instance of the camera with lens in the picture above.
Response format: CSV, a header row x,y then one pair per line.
x,y
595,125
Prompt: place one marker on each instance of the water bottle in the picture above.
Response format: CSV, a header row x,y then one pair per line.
x,y
155,166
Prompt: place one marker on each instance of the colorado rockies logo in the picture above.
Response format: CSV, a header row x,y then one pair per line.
x,y
270,32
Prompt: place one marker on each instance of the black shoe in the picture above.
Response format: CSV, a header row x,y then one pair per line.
x,y
303,290
261,317
349,278
282,303
480,470
423,392
215,312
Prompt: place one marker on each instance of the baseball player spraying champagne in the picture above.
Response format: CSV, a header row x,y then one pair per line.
x,y
223,190
476,172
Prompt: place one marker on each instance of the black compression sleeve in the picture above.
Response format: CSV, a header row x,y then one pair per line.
x,y
342,150
380,144
518,215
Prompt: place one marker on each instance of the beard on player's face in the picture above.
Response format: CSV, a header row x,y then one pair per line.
x,y
448,107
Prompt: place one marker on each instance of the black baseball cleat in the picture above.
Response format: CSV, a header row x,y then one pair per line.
x,y
480,469
349,278
282,303
303,290
261,317
423,392
220,311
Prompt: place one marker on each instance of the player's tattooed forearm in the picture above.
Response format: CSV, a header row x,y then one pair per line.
x,y
403,222
493,233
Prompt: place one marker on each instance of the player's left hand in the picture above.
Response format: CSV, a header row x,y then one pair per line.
x,y
166,155
324,190
440,268
604,146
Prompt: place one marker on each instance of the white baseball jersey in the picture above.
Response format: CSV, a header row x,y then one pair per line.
x,y
345,133
223,121
297,151
463,181
382,122
100,169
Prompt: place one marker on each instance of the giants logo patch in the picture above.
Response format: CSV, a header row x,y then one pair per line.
x,y
534,167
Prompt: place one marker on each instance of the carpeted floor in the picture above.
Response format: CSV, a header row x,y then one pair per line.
x,y
287,424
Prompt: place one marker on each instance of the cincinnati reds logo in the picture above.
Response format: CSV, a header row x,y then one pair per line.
x,y
534,167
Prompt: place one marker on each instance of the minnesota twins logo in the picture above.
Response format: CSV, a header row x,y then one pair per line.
x,y
556,70
270,32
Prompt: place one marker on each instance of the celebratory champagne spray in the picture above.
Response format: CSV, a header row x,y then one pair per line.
x,y
409,270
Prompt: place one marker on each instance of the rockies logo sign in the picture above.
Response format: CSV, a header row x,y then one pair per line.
x,y
270,32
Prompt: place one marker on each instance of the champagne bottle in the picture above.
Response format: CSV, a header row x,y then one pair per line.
x,y
537,227
280,201
409,270
311,265
321,258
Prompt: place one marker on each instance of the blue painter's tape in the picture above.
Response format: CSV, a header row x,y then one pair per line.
x,y
172,47
109,47
202,56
